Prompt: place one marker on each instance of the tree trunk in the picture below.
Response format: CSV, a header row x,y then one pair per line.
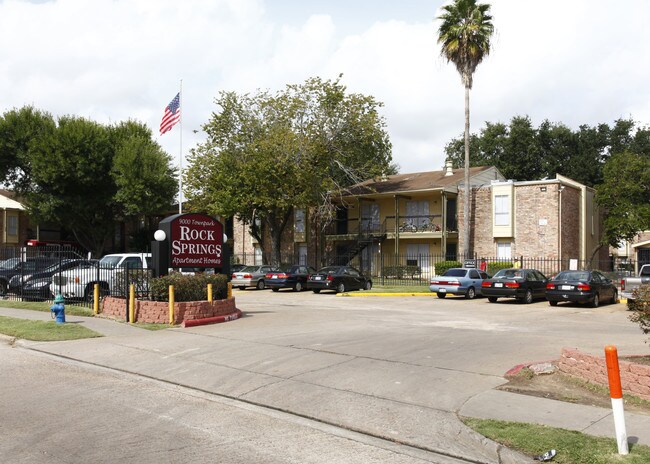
x,y
467,245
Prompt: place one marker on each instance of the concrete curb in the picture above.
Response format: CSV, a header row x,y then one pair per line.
x,y
212,320
385,294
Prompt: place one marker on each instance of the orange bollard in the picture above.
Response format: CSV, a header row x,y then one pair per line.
x,y
616,394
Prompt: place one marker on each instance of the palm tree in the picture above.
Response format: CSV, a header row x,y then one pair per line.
x,y
465,34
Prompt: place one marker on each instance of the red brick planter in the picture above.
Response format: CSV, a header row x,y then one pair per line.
x,y
158,311
635,378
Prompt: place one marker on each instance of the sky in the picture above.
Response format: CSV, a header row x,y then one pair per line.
x,y
569,61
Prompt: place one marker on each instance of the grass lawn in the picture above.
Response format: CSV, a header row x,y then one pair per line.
x,y
71,310
572,447
44,330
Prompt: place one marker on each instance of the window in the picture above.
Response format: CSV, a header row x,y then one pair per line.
x,y
502,210
417,213
503,250
258,255
473,274
299,220
12,225
370,218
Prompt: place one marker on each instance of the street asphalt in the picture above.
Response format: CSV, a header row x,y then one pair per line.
x,y
395,370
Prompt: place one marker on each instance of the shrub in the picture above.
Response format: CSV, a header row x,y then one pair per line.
x,y
401,271
496,266
640,304
444,266
189,287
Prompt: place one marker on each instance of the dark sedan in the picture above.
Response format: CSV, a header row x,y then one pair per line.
x,y
293,277
339,279
581,287
36,286
522,284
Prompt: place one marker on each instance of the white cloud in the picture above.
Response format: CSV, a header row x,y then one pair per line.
x,y
573,61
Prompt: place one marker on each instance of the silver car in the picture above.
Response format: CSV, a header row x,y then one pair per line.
x,y
458,281
251,276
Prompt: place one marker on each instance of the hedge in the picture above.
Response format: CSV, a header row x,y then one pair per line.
x,y
189,287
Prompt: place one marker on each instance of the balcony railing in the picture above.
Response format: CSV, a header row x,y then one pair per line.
x,y
392,224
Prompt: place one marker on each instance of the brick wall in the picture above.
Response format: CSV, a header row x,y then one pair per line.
x,y
158,311
635,378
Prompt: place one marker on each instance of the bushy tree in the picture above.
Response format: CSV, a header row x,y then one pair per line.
x,y
267,153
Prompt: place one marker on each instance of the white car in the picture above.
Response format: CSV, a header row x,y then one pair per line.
x,y
78,283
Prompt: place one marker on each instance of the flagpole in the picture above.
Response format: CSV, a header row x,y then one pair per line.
x,y
180,156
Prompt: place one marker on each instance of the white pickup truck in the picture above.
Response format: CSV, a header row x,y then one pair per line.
x,y
629,284
79,282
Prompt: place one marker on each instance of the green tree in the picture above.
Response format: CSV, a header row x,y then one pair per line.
x,y
87,177
19,129
465,33
71,183
625,196
268,153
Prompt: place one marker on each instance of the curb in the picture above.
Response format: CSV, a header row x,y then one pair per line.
x,y
512,372
212,320
385,294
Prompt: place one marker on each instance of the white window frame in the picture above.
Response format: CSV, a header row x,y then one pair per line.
x,y
504,250
299,220
502,210
12,225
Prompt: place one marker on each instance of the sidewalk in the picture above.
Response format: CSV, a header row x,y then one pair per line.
x,y
137,351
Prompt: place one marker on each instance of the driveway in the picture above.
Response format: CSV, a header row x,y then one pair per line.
x,y
399,368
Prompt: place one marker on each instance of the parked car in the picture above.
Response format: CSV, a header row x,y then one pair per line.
x,y
36,286
338,278
293,277
629,284
251,276
237,267
16,267
581,287
458,281
523,284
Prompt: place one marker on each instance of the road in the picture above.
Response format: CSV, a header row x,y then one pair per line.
x,y
313,378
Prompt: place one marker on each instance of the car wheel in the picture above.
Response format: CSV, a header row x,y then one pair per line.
x,y
492,299
595,302
441,295
553,303
275,289
316,290
3,287
297,287
615,297
471,293
368,285
340,288
528,297
242,288
260,285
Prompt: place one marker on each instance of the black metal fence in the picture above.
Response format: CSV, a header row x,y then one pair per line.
x,y
418,269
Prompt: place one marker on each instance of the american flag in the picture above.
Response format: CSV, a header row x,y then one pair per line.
x,y
172,114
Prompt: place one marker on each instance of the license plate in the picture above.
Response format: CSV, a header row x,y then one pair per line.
x,y
498,285
442,290
566,287
317,278
274,277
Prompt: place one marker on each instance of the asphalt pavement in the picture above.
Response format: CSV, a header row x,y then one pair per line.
x,y
276,357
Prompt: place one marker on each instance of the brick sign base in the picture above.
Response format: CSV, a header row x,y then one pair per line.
x,y
158,311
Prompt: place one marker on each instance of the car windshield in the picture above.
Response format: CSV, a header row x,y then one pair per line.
x,y
573,275
455,273
509,274
109,261
9,263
